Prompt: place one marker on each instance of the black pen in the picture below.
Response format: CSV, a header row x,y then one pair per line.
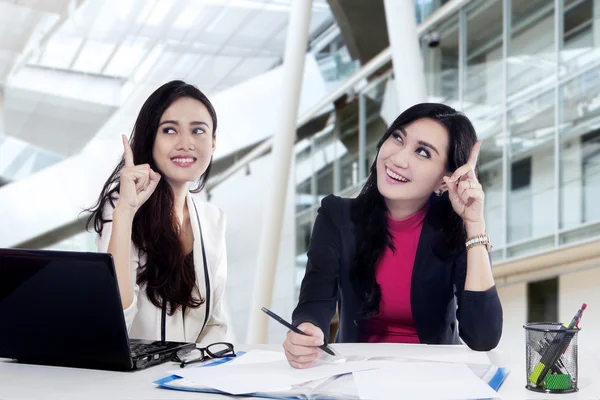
x,y
283,322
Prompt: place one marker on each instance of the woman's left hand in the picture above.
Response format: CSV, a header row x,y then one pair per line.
x,y
465,191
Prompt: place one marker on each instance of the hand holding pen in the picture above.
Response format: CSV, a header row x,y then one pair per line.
x,y
303,343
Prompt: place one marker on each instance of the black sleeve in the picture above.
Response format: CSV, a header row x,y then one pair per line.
x,y
479,314
319,290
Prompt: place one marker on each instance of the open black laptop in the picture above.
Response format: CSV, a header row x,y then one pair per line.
x,y
64,308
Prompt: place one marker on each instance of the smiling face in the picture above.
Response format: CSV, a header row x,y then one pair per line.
x,y
184,141
412,162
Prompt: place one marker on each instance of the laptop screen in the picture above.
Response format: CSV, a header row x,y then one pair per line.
x,y
61,308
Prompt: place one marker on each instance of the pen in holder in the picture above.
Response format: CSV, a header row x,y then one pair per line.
x,y
551,351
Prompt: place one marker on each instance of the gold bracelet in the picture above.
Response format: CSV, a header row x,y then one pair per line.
x,y
479,240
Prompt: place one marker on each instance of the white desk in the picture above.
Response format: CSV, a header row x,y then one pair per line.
x,y
22,381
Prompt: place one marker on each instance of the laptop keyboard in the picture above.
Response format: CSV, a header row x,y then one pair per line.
x,y
141,348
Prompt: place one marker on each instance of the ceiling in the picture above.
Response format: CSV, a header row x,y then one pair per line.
x,y
213,44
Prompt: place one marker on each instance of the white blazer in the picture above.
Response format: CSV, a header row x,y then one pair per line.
x,y
143,318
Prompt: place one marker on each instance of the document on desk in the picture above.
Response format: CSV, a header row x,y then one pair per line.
x,y
258,357
424,352
422,380
273,376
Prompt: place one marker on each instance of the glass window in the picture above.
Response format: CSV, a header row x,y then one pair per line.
x,y
347,144
520,218
491,177
324,149
580,149
440,59
305,197
483,103
578,47
532,55
378,119
530,247
591,176
349,170
483,88
532,200
304,223
424,8
335,63
303,232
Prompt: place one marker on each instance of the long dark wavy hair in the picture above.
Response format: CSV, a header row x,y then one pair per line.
x,y
168,275
369,209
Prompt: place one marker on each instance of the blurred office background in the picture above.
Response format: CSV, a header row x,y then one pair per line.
x,y
74,73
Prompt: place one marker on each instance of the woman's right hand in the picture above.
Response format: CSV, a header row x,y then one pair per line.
x,y
302,351
137,181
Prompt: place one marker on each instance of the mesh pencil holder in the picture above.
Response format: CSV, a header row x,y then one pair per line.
x,y
551,351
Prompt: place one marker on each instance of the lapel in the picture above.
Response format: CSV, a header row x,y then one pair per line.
x,y
431,280
194,318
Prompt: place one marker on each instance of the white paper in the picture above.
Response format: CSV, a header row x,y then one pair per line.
x,y
264,377
422,380
440,353
258,356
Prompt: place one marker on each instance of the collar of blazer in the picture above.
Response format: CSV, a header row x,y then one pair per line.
x,y
197,317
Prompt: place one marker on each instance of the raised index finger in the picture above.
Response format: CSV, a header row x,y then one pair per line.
x,y
127,152
474,155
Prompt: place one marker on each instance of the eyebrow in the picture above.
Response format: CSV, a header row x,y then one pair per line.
x,y
171,121
422,143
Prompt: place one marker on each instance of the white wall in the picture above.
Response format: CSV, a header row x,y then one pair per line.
x,y
514,306
242,199
575,289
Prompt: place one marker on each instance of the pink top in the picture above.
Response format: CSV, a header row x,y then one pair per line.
x,y
394,322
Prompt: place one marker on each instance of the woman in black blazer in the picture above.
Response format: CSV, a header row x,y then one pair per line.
x,y
426,165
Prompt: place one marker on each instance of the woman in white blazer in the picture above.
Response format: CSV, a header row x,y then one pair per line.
x,y
167,243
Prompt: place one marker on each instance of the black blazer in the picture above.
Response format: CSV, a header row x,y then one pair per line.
x,y
436,288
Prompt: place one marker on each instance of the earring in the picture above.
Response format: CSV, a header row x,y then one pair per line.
x,y
439,193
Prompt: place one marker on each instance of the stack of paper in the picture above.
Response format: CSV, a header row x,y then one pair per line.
x,y
422,380
268,374
245,377
437,353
